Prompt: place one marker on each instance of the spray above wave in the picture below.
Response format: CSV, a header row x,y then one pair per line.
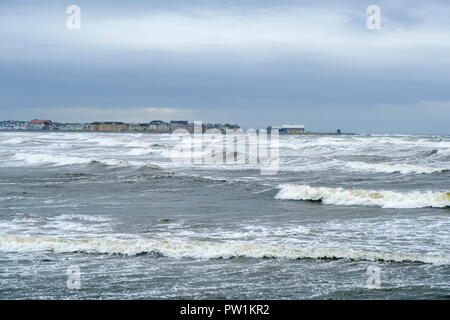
x,y
360,197
203,249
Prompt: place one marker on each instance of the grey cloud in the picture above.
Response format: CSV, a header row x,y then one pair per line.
x,y
251,62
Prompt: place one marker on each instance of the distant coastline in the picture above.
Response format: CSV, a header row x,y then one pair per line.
x,y
154,126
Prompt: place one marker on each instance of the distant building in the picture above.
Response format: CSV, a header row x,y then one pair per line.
x,y
13,125
108,126
153,126
211,126
37,121
292,129
288,129
180,124
231,127
63,126
158,125
137,126
37,124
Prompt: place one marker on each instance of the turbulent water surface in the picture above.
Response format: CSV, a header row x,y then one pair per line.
x,y
140,225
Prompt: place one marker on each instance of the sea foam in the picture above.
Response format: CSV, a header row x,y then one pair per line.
x,y
64,160
178,248
394,167
361,197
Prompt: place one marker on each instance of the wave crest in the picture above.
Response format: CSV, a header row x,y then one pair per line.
x,y
203,249
361,197
64,160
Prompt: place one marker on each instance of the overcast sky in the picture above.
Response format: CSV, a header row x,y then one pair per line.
x,y
252,62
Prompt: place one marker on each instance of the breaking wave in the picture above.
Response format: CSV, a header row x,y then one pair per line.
x,y
62,160
202,249
360,197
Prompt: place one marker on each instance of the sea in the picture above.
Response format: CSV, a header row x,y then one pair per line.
x,y
97,215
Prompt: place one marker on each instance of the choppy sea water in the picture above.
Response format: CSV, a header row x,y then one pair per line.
x,y
142,226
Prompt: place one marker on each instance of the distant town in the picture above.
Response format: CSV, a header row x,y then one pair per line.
x,y
156,126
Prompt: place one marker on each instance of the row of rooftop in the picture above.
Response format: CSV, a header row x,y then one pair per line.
x,y
152,126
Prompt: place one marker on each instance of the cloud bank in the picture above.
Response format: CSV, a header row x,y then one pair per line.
x,y
256,63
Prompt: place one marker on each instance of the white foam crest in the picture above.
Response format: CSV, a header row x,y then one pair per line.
x,y
393,168
11,198
39,158
202,249
139,151
296,143
63,160
16,140
409,141
91,218
360,197
139,144
59,225
445,152
107,141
